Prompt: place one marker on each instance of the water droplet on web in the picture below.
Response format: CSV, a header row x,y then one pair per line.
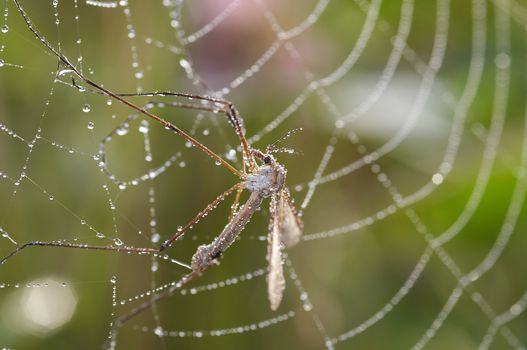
x,y
63,284
131,34
99,235
182,164
217,162
122,186
51,198
155,238
66,71
502,60
185,64
122,131
118,242
174,23
5,28
339,124
180,228
188,144
437,179
143,128
2,63
91,125
86,108
139,75
113,280
109,102
206,132
158,331
231,154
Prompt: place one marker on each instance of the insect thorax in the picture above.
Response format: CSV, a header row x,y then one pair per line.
x,y
268,179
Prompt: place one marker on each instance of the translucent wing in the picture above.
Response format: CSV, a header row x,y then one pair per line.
x,y
291,226
275,272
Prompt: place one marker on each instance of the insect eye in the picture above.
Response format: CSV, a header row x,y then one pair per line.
x,y
267,159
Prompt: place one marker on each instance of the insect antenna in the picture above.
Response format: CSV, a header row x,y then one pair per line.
x,y
270,148
285,150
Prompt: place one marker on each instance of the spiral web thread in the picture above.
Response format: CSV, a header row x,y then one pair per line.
x,y
499,17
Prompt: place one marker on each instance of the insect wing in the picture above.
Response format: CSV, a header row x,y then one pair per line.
x,y
291,226
275,272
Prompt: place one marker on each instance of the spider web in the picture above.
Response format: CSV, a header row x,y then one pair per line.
x,y
411,179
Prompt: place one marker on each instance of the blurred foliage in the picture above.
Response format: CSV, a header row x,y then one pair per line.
x,y
348,277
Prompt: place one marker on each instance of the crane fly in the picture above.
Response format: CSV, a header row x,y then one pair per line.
x,y
285,227
261,175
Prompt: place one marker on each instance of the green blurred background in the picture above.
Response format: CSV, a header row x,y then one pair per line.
x,y
55,298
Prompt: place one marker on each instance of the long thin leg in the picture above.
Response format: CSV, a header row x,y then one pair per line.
x,y
107,92
235,205
156,298
200,215
227,107
128,249
125,249
149,105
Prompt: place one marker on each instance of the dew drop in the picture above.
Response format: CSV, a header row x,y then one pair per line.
x,y
185,64
158,331
118,242
174,23
339,124
122,131
91,125
437,179
99,235
231,154
2,63
86,108
143,128
109,102
113,280
217,162
5,28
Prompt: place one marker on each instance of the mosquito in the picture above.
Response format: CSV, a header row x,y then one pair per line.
x,y
262,175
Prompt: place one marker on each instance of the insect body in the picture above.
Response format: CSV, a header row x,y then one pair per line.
x,y
285,227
